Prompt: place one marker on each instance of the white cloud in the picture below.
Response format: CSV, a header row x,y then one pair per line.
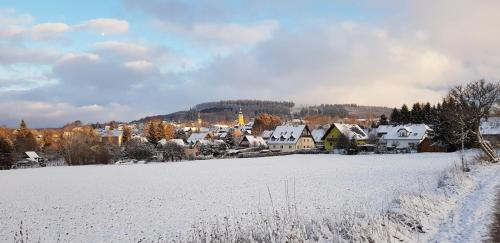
x,y
105,26
235,33
223,37
47,31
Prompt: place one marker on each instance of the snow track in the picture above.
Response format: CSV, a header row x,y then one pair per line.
x,y
469,220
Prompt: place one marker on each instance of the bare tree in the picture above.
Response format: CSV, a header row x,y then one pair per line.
x,y
474,102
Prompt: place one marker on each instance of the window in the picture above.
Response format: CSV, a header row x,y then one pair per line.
x,y
281,146
290,146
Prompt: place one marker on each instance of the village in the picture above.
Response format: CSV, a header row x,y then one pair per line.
x,y
264,135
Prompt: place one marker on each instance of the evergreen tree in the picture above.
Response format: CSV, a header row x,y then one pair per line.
x,y
229,139
383,120
405,114
154,132
24,139
395,116
427,114
416,116
181,134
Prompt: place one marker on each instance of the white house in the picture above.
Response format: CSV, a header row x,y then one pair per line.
x,y
195,137
266,134
289,138
250,141
490,130
402,137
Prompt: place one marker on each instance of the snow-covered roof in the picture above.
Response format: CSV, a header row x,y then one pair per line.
x,y
253,140
110,133
32,154
318,134
195,137
351,131
383,129
180,142
490,126
286,134
267,134
407,132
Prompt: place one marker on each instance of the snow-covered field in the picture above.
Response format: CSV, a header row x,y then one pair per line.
x,y
130,202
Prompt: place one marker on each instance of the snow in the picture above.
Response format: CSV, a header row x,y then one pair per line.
x,y
472,212
351,131
490,126
195,137
318,134
254,141
126,203
414,132
286,134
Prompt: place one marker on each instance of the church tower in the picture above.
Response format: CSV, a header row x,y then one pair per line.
x,y
199,120
241,119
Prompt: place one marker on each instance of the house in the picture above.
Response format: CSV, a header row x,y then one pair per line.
x,y
289,138
490,130
109,136
266,134
195,137
337,130
250,141
403,137
317,134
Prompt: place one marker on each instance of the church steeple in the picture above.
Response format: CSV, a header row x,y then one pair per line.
x,y
199,120
241,119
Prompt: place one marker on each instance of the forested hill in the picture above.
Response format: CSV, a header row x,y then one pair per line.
x,y
227,110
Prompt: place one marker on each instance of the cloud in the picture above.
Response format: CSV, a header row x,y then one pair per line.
x,y
51,114
9,16
19,54
222,37
105,26
129,51
337,63
48,31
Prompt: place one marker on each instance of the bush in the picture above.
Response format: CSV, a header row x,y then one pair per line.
x,y
135,149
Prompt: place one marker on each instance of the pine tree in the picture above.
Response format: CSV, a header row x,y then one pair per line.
x,y
383,120
24,139
395,116
154,132
229,139
416,114
427,115
405,114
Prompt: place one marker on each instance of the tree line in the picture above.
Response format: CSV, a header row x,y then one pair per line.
x,y
456,119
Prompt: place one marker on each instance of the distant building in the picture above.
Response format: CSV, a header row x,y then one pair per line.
x,y
250,141
403,137
289,138
337,130
490,130
195,137
317,134
108,136
266,134
241,119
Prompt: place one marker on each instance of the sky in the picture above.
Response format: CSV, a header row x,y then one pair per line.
x,y
97,61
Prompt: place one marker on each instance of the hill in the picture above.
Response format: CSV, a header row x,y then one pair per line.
x,y
227,110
